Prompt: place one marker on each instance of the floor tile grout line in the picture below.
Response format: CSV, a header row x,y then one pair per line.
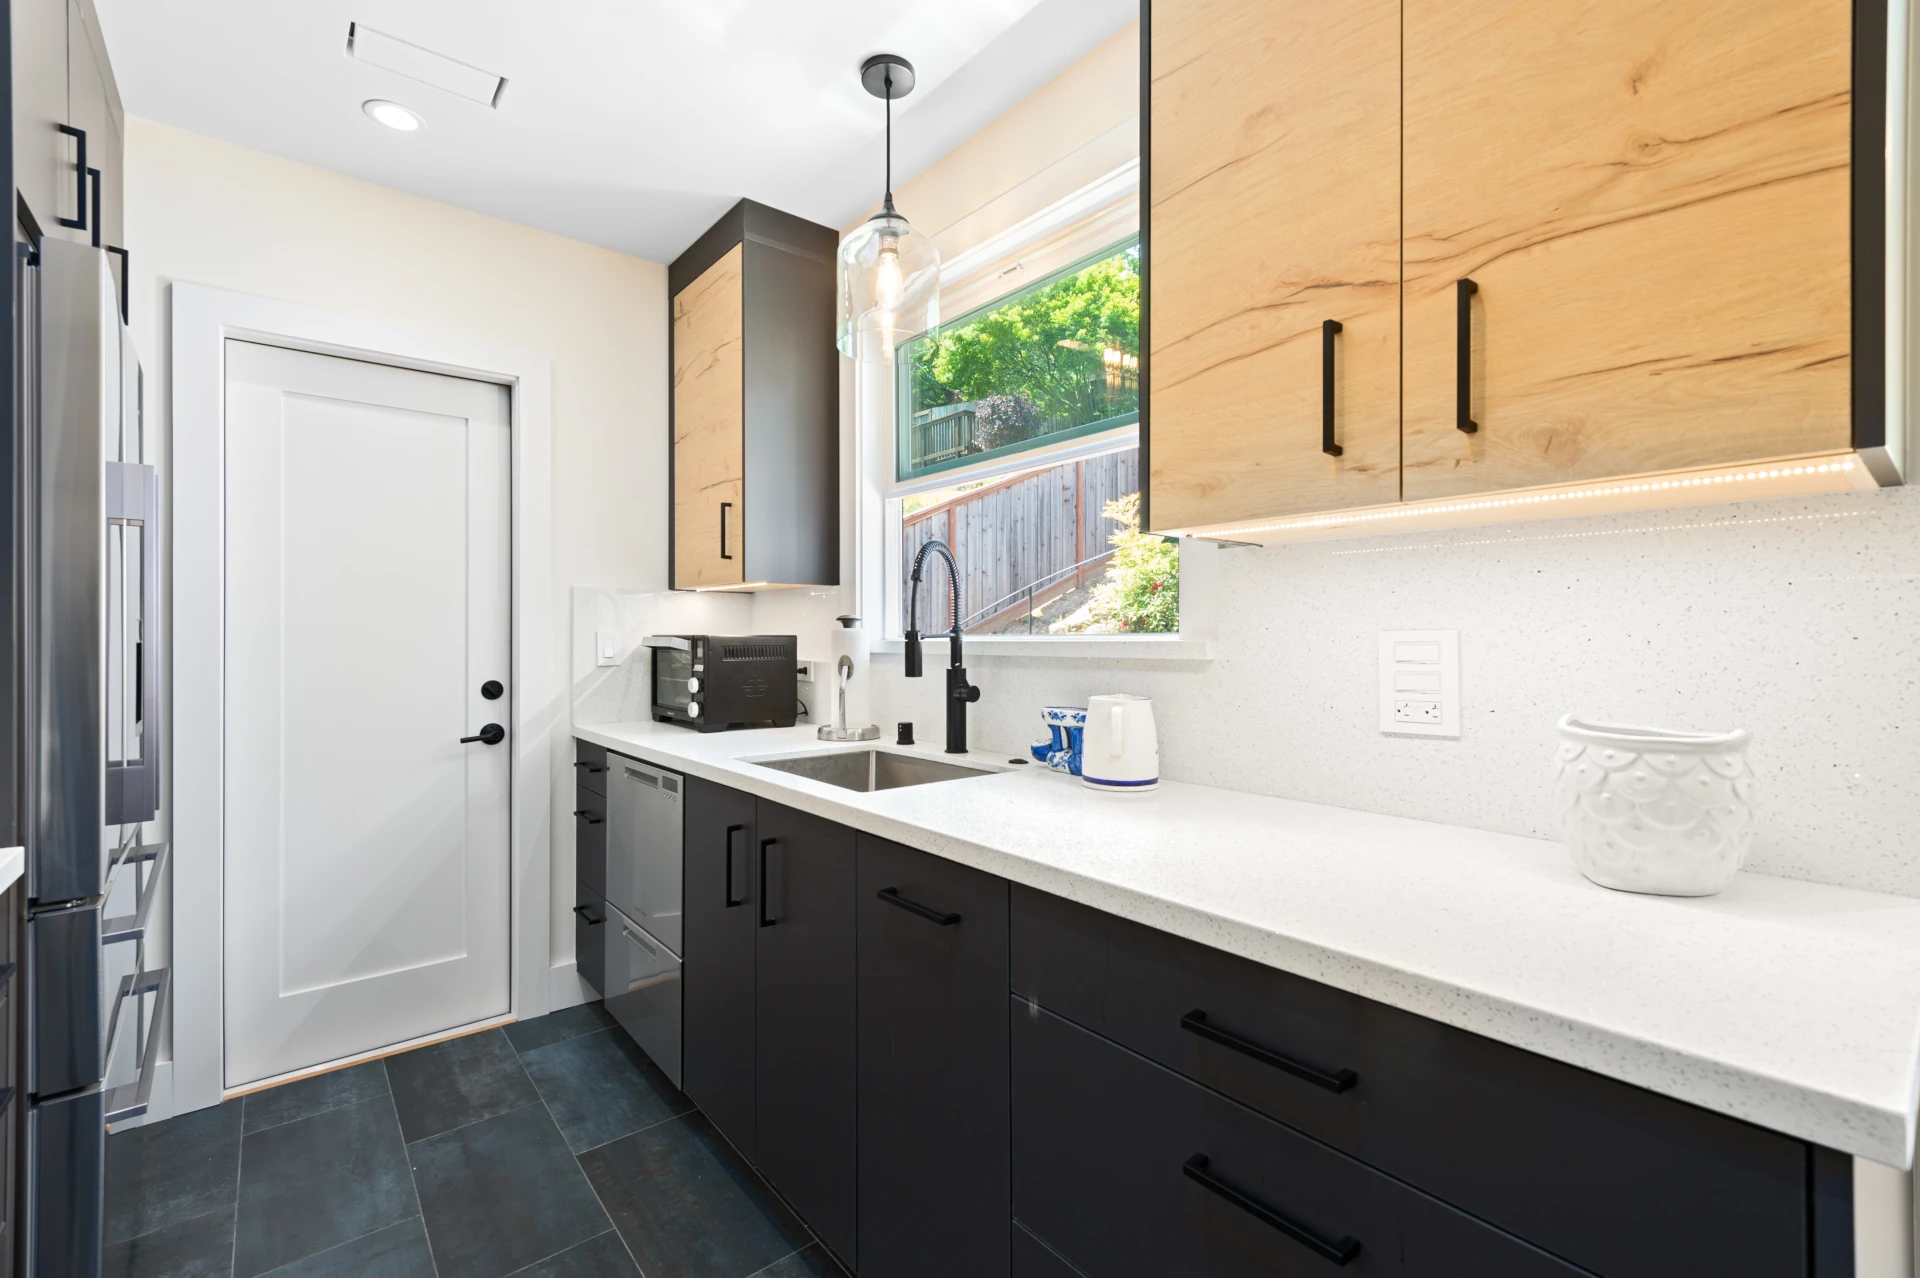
x,y
670,1118
406,1153
471,1123
244,1133
781,1261
239,1169
570,1246
175,1224
591,1187
301,1260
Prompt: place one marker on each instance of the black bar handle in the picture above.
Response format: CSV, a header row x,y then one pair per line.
x,y
491,734
590,921
765,892
1338,1250
731,900
126,282
94,174
1463,356
591,769
589,817
80,172
725,506
1329,329
892,897
1339,1080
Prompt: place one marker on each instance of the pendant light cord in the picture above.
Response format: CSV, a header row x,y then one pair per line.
x,y
889,84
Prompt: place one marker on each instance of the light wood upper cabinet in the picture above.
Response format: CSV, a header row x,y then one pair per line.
x,y
1274,208
42,156
1652,197
709,467
756,407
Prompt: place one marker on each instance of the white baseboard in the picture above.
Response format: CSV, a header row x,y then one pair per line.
x,y
568,989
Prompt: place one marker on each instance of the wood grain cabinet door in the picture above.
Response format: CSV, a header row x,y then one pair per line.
x,y
1275,207
708,429
1652,199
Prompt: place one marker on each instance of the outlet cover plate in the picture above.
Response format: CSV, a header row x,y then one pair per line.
x,y
1420,683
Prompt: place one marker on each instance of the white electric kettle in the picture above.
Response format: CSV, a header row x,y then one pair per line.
x,y
1121,749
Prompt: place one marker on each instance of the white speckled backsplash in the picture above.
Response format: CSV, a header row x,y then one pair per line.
x,y
1797,619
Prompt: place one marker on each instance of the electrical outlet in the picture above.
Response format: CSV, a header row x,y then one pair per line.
x,y
803,671
1420,682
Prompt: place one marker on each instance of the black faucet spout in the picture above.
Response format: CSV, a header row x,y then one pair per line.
x,y
960,693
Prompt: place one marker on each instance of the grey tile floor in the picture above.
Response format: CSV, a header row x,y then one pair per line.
x,y
549,1147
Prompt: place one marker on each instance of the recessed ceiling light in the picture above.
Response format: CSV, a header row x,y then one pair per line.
x,y
391,114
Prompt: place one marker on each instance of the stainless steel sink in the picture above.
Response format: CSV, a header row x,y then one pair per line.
x,y
870,770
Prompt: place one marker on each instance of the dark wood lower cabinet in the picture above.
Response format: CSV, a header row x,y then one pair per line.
x,y
804,1115
1127,1168
720,908
933,1066
1140,1104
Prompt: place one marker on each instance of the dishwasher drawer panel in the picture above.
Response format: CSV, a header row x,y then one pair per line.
x,y
642,991
645,841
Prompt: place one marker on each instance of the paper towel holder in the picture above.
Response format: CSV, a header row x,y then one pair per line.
x,y
843,671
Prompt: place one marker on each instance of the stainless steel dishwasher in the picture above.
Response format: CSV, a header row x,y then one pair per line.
x,y
645,843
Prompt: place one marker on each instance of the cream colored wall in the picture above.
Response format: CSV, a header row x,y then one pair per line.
x,y
211,213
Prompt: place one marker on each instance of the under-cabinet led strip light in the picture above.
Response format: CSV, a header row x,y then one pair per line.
x,y
1681,486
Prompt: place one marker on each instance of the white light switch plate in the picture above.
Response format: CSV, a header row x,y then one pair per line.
x,y
606,647
1420,682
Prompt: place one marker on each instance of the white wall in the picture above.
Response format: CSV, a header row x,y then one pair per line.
x,y
212,213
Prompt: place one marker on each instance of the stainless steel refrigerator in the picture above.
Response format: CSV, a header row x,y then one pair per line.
x,y
88,561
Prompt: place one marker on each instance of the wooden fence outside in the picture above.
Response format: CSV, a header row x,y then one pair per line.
x,y
1022,530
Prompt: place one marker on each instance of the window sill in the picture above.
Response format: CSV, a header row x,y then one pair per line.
x,y
1079,648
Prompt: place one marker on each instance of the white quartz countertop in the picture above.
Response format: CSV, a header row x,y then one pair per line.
x,y
13,863
1792,1005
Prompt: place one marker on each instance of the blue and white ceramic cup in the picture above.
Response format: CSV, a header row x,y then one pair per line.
x,y
1066,727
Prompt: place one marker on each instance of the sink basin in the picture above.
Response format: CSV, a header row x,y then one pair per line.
x,y
870,770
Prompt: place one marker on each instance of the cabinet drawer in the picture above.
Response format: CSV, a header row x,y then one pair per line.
x,y
590,766
590,937
1554,1154
1125,1168
590,837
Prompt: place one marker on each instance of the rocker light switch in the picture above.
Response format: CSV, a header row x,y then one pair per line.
x,y
1420,682
606,647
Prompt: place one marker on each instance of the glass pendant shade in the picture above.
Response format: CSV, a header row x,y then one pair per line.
x,y
889,286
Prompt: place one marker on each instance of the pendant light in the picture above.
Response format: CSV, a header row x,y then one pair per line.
x,y
889,272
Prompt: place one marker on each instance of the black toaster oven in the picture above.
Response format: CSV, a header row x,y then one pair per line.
x,y
716,682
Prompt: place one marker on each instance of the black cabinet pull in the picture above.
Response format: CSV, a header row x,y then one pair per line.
x,y
1338,1250
725,506
126,285
94,176
765,890
1329,329
587,816
80,171
731,899
589,767
892,897
1463,356
587,918
1339,1080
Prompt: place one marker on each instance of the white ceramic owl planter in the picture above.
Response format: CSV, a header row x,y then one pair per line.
x,y
1649,810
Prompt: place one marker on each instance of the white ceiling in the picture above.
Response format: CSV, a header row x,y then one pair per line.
x,y
627,123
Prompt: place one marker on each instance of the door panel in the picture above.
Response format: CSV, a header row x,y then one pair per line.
x,y
1275,207
709,463
367,579
804,1018
94,105
1652,198
934,1198
723,898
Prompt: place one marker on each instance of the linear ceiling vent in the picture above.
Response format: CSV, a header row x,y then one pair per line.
x,y
390,53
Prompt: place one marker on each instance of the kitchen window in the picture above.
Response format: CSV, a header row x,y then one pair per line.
x,y
1015,439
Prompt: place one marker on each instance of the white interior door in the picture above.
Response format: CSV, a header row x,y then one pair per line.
x,y
367,601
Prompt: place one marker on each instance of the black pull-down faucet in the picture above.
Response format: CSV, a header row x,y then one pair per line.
x,y
960,693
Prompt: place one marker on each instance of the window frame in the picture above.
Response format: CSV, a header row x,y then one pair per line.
x,y
961,470
969,278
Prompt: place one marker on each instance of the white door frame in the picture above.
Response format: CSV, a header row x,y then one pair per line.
x,y
203,319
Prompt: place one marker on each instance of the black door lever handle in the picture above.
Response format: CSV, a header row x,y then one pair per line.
x,y
492,734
